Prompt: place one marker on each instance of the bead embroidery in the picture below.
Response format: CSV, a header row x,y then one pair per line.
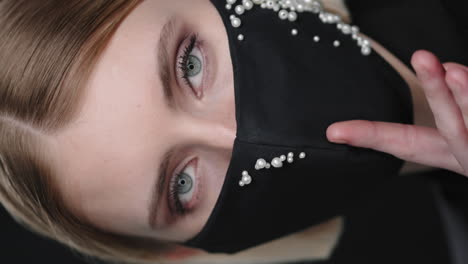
x,y
289,9
276,162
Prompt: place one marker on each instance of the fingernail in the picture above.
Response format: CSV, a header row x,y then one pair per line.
x,y
338,140
446,67
457,79
334,135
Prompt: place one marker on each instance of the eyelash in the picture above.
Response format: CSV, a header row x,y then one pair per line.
x,y
184,203
175,202
173,194
182,64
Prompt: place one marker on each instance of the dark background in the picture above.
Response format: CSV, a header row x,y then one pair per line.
x,y
400,223
18,246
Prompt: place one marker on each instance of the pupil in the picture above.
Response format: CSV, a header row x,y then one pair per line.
x,y
185,184
194,66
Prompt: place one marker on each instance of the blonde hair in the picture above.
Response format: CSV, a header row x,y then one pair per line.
x,y
47,50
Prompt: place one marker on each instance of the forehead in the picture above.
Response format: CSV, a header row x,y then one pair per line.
x,y
105,155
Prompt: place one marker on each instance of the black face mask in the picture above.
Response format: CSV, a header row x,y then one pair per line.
x,y
293,79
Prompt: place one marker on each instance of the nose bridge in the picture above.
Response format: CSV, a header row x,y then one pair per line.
x,y
207,132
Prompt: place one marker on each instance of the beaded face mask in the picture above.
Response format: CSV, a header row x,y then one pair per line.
x,y
298,69
289,9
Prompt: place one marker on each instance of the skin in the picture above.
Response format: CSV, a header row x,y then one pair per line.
x,y
109,158
445,145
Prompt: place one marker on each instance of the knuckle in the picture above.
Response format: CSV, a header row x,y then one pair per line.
x,y
408,143
373,134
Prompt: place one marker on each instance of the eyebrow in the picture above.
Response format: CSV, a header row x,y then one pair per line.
x,y
163,57
167,33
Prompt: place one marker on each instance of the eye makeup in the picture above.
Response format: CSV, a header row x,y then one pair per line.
x,y
184,188
191,65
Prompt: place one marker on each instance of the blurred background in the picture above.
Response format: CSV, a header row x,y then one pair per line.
x,y
18,245
417,218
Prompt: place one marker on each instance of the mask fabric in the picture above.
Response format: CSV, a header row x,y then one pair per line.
x,y
296,71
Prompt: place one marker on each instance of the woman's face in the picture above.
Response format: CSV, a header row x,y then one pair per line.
x,y
150,150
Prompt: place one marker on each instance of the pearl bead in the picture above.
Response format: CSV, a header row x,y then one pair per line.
x,y
236,22
292,16
260,164
248,181
315,7
289,9
359,40
290,155
346,29
366,50
245,173
270,4
232,17
247,4
322,17
267,165
365,42
302,155
277,163
290,160
239,9
246,178
282,157
283,14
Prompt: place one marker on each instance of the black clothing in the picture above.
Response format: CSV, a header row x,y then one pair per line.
x,y
421,218
288,89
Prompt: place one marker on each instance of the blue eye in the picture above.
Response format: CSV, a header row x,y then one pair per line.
x,y
182,189
184,183
194,66
191,66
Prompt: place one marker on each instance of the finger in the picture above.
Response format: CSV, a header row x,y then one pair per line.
x,y
417,144
451,65
447,114
432,77
457,81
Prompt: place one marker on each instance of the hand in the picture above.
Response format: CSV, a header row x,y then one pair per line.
x,y
446,89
